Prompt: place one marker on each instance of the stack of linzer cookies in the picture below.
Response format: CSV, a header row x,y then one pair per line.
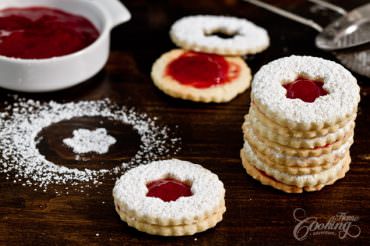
x,y
300,125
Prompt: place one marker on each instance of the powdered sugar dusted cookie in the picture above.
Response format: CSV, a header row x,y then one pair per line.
x,y
305,180
200,77
288,132
267,180
304,143
300,125
170,198
198,33
305,93
278,158
251,136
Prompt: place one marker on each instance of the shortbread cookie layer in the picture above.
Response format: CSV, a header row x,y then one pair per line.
x,y
285,131
293,142
130,194
149,220
292,170
198,33
280,159
267,180
339,103
174,230
297,180
218,93
253,137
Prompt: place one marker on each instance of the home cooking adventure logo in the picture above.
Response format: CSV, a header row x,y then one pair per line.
x,y
341,225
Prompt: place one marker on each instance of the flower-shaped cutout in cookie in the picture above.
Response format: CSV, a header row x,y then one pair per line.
x,y
86,141
170,198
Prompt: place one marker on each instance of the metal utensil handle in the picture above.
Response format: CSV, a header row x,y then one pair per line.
x,y
330,6
279,11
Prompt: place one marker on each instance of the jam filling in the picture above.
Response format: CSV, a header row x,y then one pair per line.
x,y
201,70
325,146
305,89
39,33
168,189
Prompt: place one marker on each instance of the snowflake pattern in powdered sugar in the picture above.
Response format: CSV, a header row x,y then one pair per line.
x,y
87,141
22,120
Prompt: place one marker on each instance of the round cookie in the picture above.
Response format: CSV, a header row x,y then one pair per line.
x,y
305,93
293,169
285,131
170,198
277,158
251,136
176,230
172,78
198,33
294,142
301,181
267,180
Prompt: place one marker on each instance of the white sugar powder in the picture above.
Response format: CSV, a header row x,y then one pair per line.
x,y
192,31
269,94
22,121
86,141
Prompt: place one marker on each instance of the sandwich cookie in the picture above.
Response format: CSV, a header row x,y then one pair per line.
x,y
170,198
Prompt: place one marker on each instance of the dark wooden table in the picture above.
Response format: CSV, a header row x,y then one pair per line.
x,y
211,136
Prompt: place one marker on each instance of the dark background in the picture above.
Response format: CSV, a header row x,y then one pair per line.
x,y
211,135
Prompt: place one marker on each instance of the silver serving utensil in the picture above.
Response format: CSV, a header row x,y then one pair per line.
x,y
357,59
350,30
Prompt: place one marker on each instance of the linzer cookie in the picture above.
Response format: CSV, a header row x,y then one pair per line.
x,y
268,180
251,135
304,180
278,158
285,131
170,198
200,77
300,125
304,143
207,69
219,35
305,93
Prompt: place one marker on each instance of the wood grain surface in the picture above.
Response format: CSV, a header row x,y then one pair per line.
x,y
211,135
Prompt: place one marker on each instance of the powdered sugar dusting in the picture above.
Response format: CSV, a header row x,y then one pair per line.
x,y
302,161
268,92
193,31
208,191
298,180
85,141
23,120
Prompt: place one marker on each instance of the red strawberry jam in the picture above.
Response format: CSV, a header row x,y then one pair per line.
x,y
324,146
305,89
202,70
168,189
39,32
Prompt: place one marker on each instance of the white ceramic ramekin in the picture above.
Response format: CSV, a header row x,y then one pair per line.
x,y
42,75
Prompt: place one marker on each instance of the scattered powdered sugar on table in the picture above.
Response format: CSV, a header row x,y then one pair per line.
x,y
22,120
86,141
